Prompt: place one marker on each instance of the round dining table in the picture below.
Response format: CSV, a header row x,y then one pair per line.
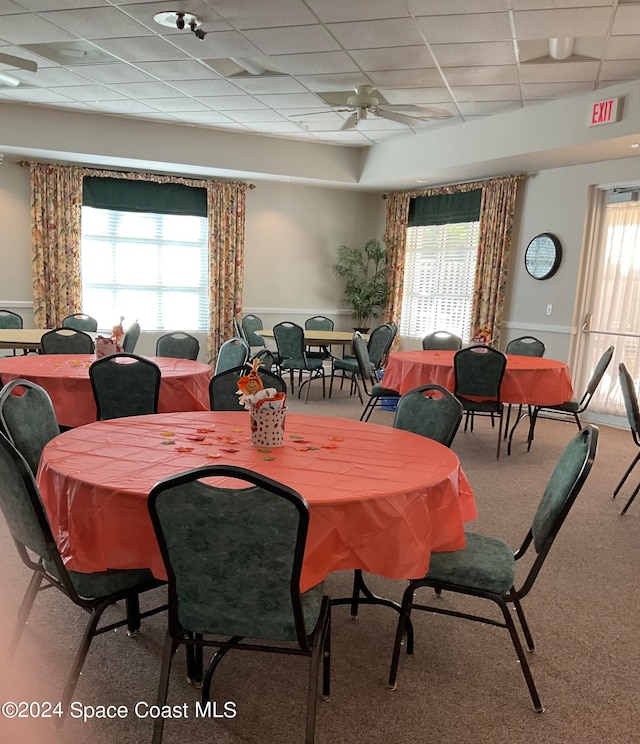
x,y
184,384
535,381
380,499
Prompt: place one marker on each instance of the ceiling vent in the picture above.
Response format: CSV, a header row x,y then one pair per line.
x,y
244,67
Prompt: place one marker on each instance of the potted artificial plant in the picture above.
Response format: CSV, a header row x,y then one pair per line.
x,y
363,270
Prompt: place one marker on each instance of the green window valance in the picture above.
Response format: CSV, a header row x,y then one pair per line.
x,y
122,195
445,209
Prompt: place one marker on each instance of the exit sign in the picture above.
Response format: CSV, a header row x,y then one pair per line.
x,y
604,112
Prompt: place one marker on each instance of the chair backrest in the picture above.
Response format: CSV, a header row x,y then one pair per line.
x,y
223,387
380,340
80,322
233,353
9,319
237,329
266,357
131,338
289,339
478,372
28,419
319,323
559,496
233,555
431,411
124,385
598,373
25,516
66,341
526,346
441,340
251,324
362,356
630,397
178,345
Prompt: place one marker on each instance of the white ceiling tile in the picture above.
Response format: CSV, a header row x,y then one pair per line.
x,y
112,73
393,58
44,5
293,101
318,63
152,89
244,14
627,20
476,53
481,75
377,123
36,95
253,115
486,93
554,4
232,103
213,87
372,34
203,117
125,107
329,11
30,29
559,72
293,39
91,93
486,108
334,81
216,45
49,77
623,47
620,70
275,126
419,96
171,105
8,7
142,49
96,23
450,7
547,24
450,29
269,84
186,69
406,78
554,90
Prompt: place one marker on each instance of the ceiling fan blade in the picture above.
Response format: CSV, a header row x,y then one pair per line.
x,y
350,123
433,112
400,107
22,64
410,121
318,113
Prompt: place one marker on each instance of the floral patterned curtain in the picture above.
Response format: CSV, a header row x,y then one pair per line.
x,y
56,203
496,220
56,198
226,206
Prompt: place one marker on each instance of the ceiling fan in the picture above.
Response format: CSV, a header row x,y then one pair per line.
x,y
365,100
19,63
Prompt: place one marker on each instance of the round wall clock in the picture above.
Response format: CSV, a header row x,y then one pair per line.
x,y
543,256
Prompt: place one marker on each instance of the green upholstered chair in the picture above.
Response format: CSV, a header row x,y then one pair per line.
x,y
572,408
441,340
233,556
27,521
81,322
486,567
131,336
124,385
378,345
429,410
293,357
630,397
66,341
223,388
251,324
266,357
9,319
237,329
526,346
178,345
27,419
319,323
233,353
478,372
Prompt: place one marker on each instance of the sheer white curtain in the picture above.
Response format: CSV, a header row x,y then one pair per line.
x,y
616,305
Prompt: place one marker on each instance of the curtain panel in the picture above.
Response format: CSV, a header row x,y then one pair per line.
x,y
496,220
56,203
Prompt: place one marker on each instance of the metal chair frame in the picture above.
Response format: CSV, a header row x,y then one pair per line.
x,y
85,344
633,415
111,363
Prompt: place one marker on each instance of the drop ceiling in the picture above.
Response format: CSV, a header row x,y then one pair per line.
x,y
474,58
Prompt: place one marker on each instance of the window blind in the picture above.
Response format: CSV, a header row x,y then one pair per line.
x,y
120,194
445,209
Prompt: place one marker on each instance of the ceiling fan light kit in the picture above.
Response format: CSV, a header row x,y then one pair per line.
x,y
181,19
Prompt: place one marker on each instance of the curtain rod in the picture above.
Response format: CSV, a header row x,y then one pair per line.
x,y
477,184
27,163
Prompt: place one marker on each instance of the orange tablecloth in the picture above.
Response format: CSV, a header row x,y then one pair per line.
x,y
380,499
184,385
535,381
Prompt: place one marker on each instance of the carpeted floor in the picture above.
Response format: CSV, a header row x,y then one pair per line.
x,y
463,683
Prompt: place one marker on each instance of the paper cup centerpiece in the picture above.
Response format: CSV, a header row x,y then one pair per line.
x,y
266,408
113,345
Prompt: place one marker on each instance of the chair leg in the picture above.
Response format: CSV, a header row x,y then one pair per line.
x,y
317,654
525,626
532,425
168,651
133,614
405,611
626,475
326,658
213,665
25,610
631,499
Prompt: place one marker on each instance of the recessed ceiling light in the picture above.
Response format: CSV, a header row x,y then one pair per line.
x,y
286,180
635,145
422,180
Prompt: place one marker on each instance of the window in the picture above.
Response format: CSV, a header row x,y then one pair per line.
x,y
148,267
439,274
